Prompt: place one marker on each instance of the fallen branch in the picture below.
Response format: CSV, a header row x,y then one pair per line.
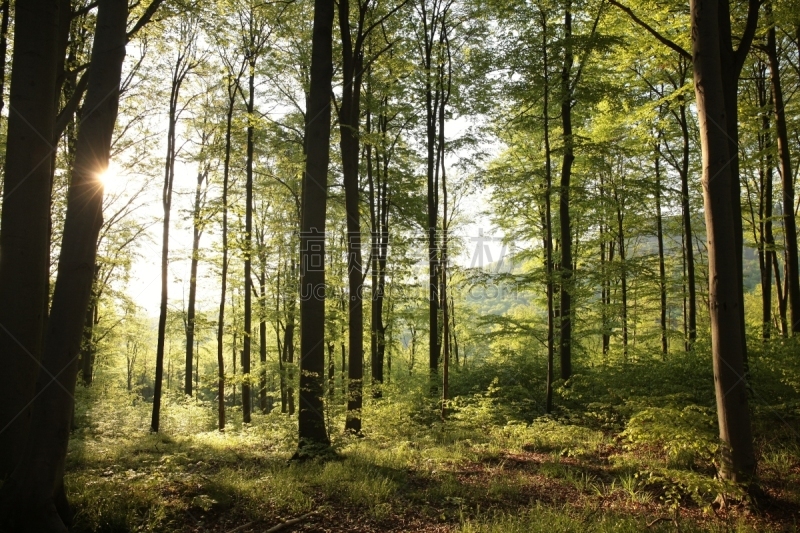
x,y
291,522
659,519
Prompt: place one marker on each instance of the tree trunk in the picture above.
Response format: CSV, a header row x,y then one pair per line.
x,y
31,497
787,178
179,72
25,218
444,306
349,124
288,353
312,430
725,289
688,236
766,249
781,296
548,219
432,101
248,252
565,336
232,86
262,332
662,277
623,273
197,232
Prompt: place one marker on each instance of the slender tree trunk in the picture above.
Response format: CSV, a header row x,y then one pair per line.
x,y
331,372
781,296
24,239
791,274
688,236
248,252
728,349
312,429
565,337
623,273
767,241
29,499
262,332
349,124
88,345
432,101
232,85
197,232
179,72
444,306
288,352
662,277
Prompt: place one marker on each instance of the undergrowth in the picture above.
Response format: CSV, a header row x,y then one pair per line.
x,y
630,447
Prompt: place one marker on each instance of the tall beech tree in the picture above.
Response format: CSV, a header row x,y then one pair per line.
x,y
792,275
185,62
28,498
431,15
233,76
353,67
313,434
25,218
197,232
255,35
724,263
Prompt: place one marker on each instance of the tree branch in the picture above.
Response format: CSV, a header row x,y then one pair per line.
x,y
652,31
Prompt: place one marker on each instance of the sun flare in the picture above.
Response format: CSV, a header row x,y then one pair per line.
x,y
110,176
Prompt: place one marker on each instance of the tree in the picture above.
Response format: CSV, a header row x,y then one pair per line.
x,y
27,501
185,62
25,217
312,430
725,289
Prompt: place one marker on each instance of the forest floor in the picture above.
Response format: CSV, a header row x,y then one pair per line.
x,y
480,471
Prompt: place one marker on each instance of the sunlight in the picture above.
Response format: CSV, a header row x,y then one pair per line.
x,y
110,178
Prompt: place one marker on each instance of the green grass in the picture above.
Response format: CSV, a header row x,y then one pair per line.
x,y
610,459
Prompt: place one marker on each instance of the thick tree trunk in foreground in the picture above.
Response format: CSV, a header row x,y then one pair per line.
x,y
728,349
25,218
312,430
29,497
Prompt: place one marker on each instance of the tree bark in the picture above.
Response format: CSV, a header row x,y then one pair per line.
x,y
179,72
725,288
248,250
232,86
31,497
312,429
349,126
25,218
565,336
548,219
623,272
766,249
262,331
197,232
791,274
688,236
662,277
